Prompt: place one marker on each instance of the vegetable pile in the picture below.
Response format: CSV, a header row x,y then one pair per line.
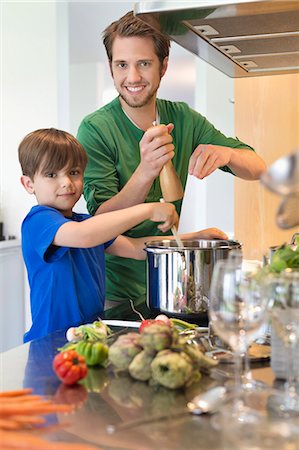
x,y
90,342
285,257
159,355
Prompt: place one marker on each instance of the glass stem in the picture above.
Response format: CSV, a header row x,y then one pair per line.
x,y
238,376
246,373
291,378
237,402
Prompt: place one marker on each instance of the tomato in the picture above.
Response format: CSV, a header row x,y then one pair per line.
x,y
70,367
149,322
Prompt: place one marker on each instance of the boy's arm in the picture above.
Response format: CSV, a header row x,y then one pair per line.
x,y
134,247
103,227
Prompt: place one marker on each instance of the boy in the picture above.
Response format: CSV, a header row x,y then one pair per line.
x,y
64,250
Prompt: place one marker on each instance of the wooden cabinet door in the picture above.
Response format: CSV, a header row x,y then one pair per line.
x,y
267,118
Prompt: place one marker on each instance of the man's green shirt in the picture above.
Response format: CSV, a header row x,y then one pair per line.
x,y
111,141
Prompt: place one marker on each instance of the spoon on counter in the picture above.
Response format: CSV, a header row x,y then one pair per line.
x,y
205,403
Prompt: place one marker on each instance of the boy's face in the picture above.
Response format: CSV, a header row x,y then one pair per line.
x,y
60,190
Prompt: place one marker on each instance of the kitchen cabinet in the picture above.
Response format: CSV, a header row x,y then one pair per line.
x,y
266,117
12,304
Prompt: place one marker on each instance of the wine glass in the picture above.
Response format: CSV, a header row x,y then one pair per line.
x,y
237,310
284,313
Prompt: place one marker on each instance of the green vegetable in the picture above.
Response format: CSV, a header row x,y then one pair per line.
x,y
285,257
172,370
182,324
95,353
156,337
124,350
140,367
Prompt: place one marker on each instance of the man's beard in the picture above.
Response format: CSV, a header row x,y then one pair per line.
x,y
140,104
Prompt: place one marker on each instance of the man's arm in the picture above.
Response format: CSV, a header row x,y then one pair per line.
x,y
244,163
134,247
156,149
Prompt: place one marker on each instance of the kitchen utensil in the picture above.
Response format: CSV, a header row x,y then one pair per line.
x,y
282,177
170,183
177,237
205,403
174,231
178,281
122,323
287,215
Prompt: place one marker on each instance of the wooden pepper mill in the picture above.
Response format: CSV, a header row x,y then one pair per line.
x,y
170,183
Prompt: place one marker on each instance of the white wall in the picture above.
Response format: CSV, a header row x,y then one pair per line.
x,y
210,202
31,68
48,81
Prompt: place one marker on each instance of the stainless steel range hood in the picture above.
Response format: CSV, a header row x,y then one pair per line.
x,y
241,38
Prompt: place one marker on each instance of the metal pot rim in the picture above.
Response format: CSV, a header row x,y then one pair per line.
x,y
202,244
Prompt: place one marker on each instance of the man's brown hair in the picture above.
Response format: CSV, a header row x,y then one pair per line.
x,y
130,26
48,150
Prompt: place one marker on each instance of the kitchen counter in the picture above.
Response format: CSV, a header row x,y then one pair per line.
x,y
106,399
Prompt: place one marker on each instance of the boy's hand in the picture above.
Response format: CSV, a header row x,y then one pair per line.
x,y
166,213
210,233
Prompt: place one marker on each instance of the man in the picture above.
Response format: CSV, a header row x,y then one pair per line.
x,y
126,153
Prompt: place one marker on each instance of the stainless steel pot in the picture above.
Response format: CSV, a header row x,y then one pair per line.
x,y
178,279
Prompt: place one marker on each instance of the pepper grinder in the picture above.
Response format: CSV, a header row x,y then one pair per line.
x,y
170,183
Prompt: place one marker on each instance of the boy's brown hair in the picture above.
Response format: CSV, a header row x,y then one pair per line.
x,y
48,150
130,26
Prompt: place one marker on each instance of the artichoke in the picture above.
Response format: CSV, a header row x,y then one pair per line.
x,y
156,337
140,367
171,369
124,350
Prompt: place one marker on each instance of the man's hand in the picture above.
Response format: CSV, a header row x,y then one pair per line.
x,y
244,163
156,149
166,213
207,158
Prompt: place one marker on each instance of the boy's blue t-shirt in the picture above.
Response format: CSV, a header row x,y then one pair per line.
x,y
67,285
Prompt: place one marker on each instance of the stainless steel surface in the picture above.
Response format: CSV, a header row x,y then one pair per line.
x,y
241,38
205,403
178,280
106,399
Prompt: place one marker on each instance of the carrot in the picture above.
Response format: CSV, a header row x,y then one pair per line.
x,y
29,420
21,399
9,424
27,441
34,408
16,393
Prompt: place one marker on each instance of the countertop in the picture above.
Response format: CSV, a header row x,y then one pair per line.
x,y
106,398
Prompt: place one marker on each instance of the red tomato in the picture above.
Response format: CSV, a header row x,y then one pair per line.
x,y
70,367
149,322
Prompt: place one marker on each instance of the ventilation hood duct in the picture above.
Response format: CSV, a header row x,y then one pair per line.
x,y
241,38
